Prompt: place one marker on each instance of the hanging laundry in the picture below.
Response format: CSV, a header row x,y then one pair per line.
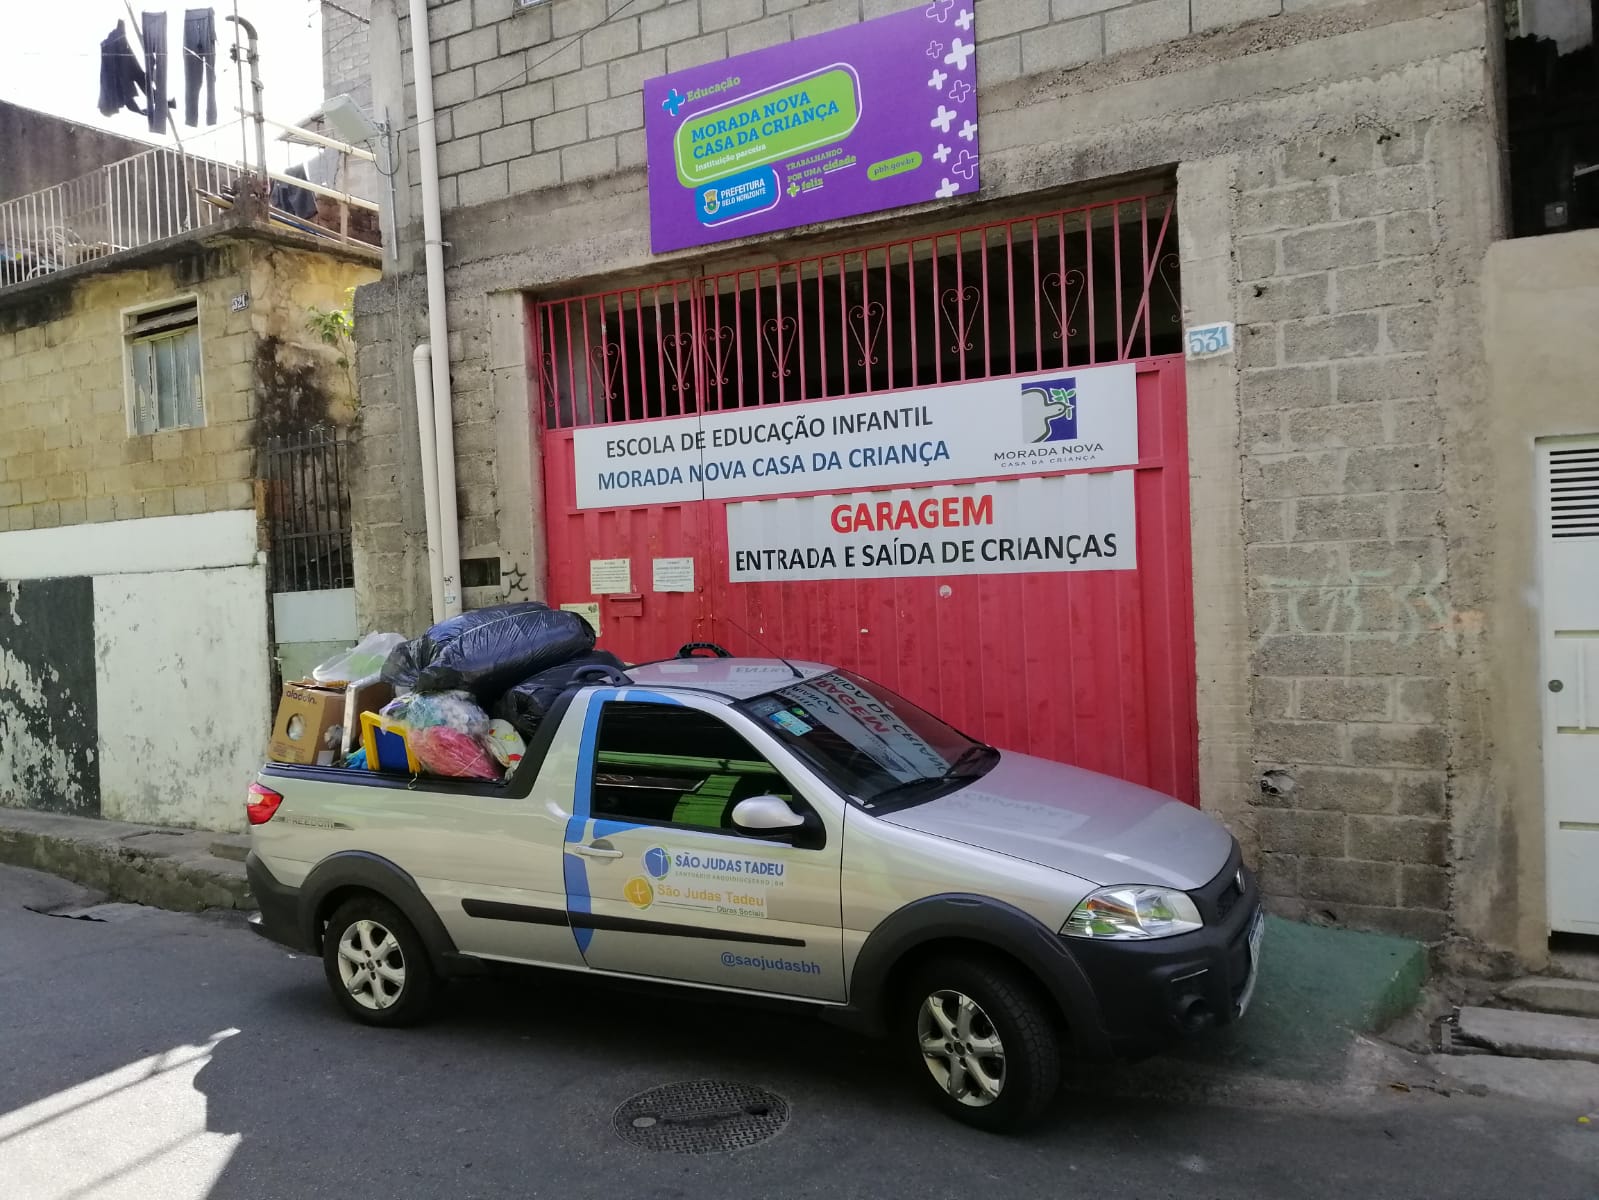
x,y
199,55
122,79
155,67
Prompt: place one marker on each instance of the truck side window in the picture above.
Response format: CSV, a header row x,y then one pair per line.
x,y
665,764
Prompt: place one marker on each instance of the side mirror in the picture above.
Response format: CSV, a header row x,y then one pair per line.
x,y
765,814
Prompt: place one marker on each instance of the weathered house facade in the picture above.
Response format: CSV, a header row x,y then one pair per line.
x,y
155,366
1329,637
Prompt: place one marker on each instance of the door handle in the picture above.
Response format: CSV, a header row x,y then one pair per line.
x,y
596,851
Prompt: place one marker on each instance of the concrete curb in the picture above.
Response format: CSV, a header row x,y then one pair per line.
x,y
142,864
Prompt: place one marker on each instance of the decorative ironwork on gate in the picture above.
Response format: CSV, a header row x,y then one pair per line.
x,y
1081,286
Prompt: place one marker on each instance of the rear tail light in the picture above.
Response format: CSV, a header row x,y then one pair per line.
x,y
263,802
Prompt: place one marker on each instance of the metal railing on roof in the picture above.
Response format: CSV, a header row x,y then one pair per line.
x,y
152,196
147,198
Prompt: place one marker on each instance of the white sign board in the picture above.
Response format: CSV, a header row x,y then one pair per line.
x,y
1003,527
610,576
673,574
1060,421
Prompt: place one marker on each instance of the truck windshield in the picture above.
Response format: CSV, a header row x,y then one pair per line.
x,y
879,749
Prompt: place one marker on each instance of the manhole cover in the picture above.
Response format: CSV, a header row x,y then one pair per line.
x,y
705,1116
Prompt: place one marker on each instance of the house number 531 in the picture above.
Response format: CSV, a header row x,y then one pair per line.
x,y
1207,341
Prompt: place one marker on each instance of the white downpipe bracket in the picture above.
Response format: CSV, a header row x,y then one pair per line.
x,y
422,364
438,324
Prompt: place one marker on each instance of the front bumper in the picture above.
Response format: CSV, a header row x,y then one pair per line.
x,y
1149,992
279,915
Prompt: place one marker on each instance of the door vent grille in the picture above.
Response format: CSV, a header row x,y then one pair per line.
x,y
1574,492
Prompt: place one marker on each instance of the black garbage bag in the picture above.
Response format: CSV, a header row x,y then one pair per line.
x,y
488,650
530,701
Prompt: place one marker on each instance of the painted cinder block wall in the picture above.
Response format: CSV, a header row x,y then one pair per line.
x,y
67,456
1336,165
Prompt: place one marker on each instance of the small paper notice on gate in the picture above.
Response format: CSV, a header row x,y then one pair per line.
x,y
674,574
608,576
589,612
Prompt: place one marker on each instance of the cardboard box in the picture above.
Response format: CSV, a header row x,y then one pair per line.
x,y
310,725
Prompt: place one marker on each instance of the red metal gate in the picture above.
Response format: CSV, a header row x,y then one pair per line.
x,y
1094,668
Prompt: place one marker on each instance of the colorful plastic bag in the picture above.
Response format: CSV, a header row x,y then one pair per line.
x,y
452,710
441,750
506,744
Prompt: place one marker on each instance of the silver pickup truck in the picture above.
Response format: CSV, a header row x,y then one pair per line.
x,y
761,827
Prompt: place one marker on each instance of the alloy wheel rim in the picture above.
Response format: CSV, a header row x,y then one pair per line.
x,y
962,1048
371,965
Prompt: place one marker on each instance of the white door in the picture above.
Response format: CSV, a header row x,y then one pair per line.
x,y
1569,497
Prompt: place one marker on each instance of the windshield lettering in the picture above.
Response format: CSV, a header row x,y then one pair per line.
x,y
872,745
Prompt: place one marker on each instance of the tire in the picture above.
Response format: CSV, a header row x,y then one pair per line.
x,y
991,1007
376,964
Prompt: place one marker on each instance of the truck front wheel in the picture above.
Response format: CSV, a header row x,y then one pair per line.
x,y
376,963
986,1045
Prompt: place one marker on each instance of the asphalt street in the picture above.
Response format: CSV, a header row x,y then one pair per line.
x,y
163,1056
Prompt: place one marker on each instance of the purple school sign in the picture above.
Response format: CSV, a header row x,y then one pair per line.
x,y
876,115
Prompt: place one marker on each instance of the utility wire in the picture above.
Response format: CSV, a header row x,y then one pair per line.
x,y
347,12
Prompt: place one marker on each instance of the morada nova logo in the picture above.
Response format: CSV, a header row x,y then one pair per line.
x,y
1049,410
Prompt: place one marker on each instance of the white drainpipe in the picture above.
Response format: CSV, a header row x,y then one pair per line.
x,y
422,364
443,448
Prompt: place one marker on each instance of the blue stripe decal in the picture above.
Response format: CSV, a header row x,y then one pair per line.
x,y
577,897
573,870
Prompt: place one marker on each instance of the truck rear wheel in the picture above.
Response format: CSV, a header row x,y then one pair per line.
x,y
376,964
987,1048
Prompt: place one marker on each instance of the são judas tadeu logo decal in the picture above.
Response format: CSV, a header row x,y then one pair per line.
x,y
657,862
638,892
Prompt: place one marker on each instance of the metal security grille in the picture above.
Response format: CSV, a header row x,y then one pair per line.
x,y
307,507
1082,286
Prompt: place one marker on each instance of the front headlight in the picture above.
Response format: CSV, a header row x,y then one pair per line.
x,y
1129,913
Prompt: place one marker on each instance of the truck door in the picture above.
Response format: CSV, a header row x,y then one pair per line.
x,y
658,881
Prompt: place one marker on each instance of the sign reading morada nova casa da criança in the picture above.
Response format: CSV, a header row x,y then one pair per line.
x,y
876,115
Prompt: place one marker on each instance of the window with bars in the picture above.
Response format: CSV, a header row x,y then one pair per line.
x,y
163,356
1089,285
305,484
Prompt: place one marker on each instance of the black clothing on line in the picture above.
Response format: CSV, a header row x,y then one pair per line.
x,y
199,54
155,67
121,76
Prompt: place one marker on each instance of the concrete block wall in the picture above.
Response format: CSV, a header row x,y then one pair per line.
x,y
393,592
1345,386
347,50
526,103
67,457
1336,196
